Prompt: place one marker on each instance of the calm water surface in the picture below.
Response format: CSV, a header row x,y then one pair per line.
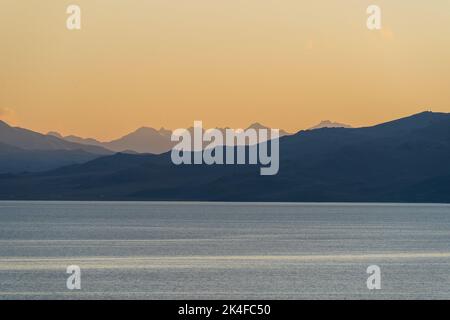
x,y
144,250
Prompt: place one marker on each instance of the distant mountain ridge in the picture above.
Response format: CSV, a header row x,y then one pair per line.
x,y
23,150
143,140
26,150
30,140
404,160
329,124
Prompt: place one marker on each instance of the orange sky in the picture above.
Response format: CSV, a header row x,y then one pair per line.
x,y
287,64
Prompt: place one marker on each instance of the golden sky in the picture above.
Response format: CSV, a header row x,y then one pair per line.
x,y
285,63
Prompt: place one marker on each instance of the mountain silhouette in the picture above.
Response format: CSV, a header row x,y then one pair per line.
x,y
26,150
87,141
143,140
30,140
405,160
329,124
259,126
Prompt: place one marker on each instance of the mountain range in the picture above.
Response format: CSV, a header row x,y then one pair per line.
x,y
329,124
23,150
30,140
143,140
404,160
26,150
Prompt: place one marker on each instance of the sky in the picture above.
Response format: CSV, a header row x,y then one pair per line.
x,y
287,64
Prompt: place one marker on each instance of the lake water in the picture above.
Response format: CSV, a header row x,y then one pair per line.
x,y
145,250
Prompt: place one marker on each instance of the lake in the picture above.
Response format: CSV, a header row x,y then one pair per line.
x,y
178,250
